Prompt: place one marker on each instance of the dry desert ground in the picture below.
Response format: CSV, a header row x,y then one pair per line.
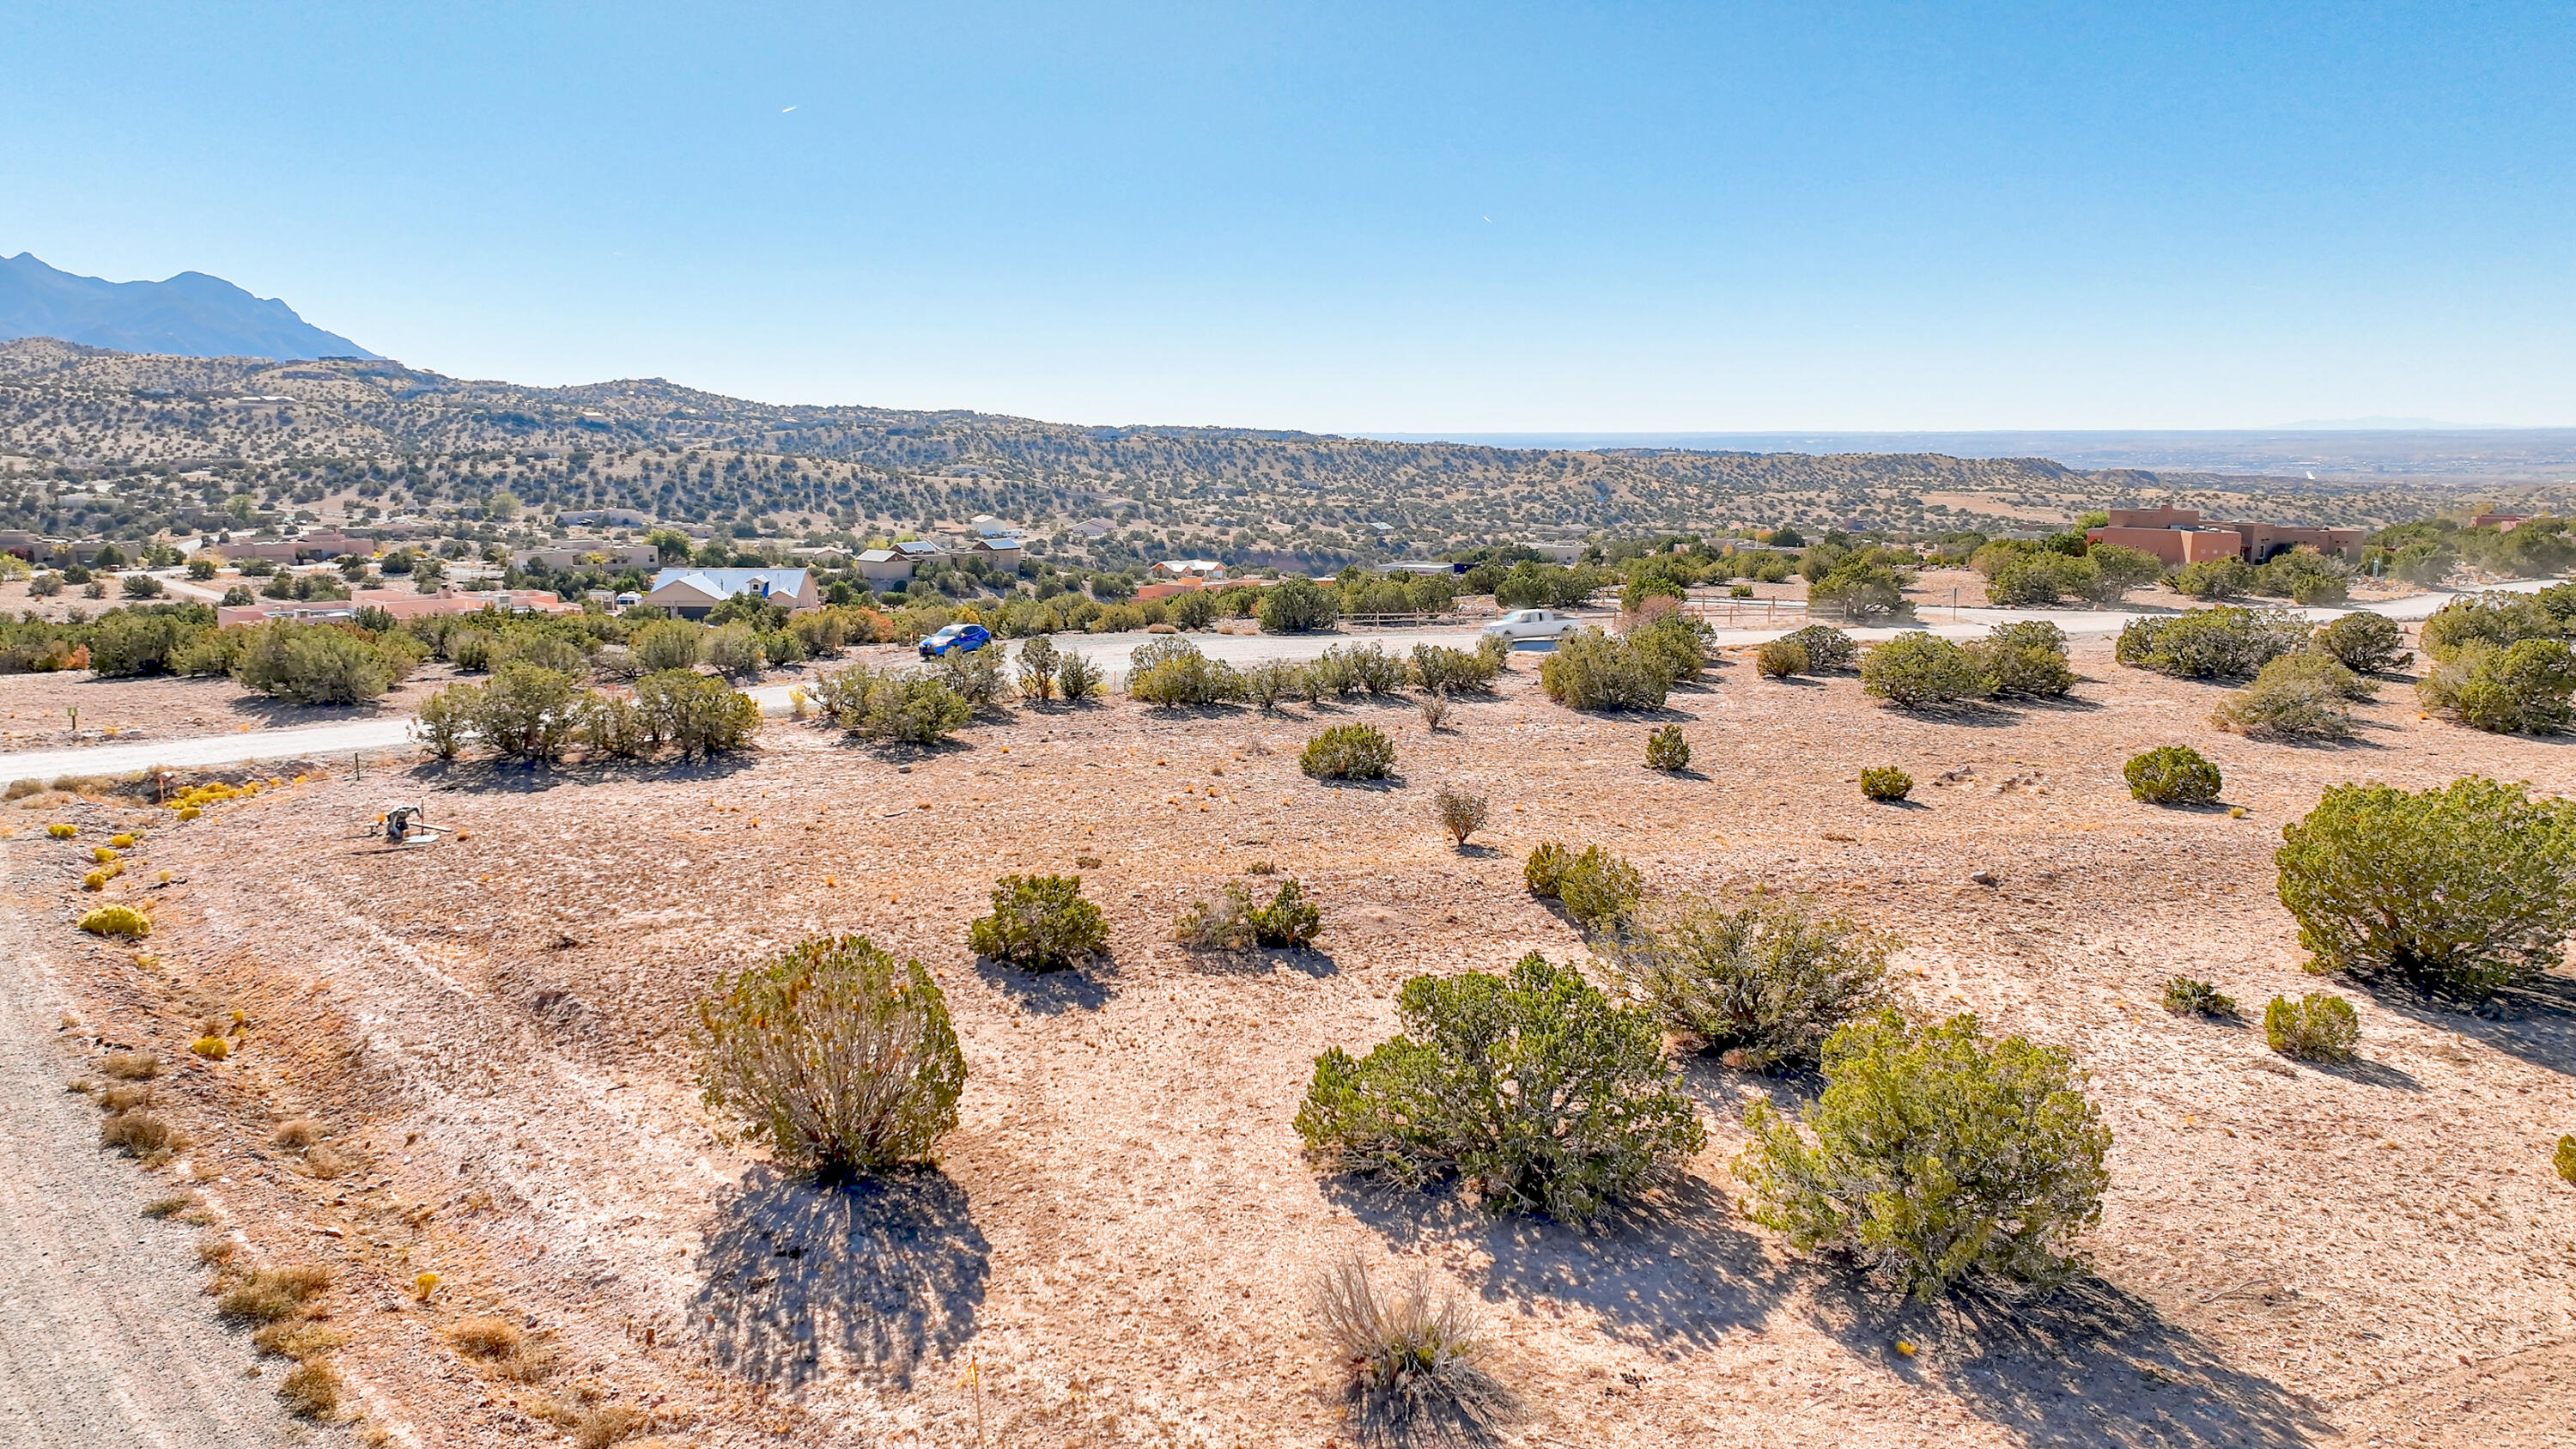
x,y
491,1037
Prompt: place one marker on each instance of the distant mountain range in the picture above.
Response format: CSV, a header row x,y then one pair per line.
x,y
190,315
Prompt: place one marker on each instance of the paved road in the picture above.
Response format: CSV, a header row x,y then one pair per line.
x,y
105,1340
1108,650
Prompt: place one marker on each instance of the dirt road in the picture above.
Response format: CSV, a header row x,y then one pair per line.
x,y
105,1340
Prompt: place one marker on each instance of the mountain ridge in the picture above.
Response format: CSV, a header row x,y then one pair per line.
x,y
191,314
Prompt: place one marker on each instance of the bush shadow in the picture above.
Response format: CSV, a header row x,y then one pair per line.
x,y
2533,1022
2089,1366
1051,993
508,777
801,1279
1262,960
1669,1271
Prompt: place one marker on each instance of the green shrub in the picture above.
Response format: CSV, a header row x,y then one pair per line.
x,y
527,713
545,651
1828,648
2318,1027
1886,782
670,644
125,644
2117,570
2172,775
1194,610
1291,921
1038,662
1040,923
1363,668
2027,659
2222,643
2296,697
1231,922
1924,671
1599,889
839,1059
470,650
735,649
1938,1151
446,720
2565,1161
1077,678
1667,750
1781,658
1438,668
1677,645
700,715
2218,578
1171,673
1267,683
1298,606
1591,670
2462,889
1765,984
2037,580
316,663
2305,577
2364,643
2187,997
615,729
1532,1088
894,706
2496,620
2519,688
1859,590
1349,752
1544,871
973,675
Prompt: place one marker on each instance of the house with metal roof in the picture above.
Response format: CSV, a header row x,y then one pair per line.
x,y
692,593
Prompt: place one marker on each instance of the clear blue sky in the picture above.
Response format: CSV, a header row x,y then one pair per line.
x,y
1361,217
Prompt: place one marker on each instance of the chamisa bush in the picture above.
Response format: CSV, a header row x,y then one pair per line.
x,y
1828,649
1667,750
1229,921
2364,643
1591,670
1922,670
2463,889
2295,697
1886,782
2172,775
2222,643
1460,812
1416,1365
2519,688
1764,984
2565,1160
1349,752
123,922
2185,996
2318,1027
670,644
837,1057
1039,923
1781,658
1934,1151
1534,1089
1267,683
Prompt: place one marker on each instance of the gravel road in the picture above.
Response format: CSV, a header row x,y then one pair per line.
x,y
1108,650
105,1340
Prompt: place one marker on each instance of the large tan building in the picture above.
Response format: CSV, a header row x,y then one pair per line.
x,y
2177,536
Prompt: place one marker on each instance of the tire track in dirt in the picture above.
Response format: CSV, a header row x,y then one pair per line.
x,y
105,1341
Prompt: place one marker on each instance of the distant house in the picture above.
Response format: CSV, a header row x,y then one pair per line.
x,y
605,518
1095,527
693,593
884,566
1433,567
2177,536
400,603
1002,552
1203,570
922,550
987,526
581,555
2500,522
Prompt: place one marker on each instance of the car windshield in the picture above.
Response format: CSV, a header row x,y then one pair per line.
x,y
950,631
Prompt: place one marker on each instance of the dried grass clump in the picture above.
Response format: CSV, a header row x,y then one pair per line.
x,y
274,1295
124,1099
606,1425
1415,1362
1461,812
296,1135
297,1338
131,1066
485,1337
312,1390
139,1134
162,1207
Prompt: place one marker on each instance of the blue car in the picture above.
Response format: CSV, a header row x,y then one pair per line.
x,y
969,637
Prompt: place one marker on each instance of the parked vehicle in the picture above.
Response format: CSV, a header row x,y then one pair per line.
x,y
967,637
1533,624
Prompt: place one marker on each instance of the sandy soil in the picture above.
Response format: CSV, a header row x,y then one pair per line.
x,y
1119,1237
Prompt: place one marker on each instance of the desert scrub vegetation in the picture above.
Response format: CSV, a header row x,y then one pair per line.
x,y
2295,697
840,1059
2220,643
1782,658
1935,1151
1591,670
1595,887
2565,1159
1441,669
1460,812
123,922
1829,650
322,663
1298,606
2185,996
2518,688
1925,671
1416,1364
1533,1089
1039,923
1667,750
2364,643
1349,752
1171,673
1765,984
1078,679
2318,1027
2172,775
1035,666
272,1295
2462,890
139,1132
1885,782
2025,660
1229,921
898,706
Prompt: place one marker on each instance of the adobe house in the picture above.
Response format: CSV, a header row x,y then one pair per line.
x,y
693,593
2177,536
